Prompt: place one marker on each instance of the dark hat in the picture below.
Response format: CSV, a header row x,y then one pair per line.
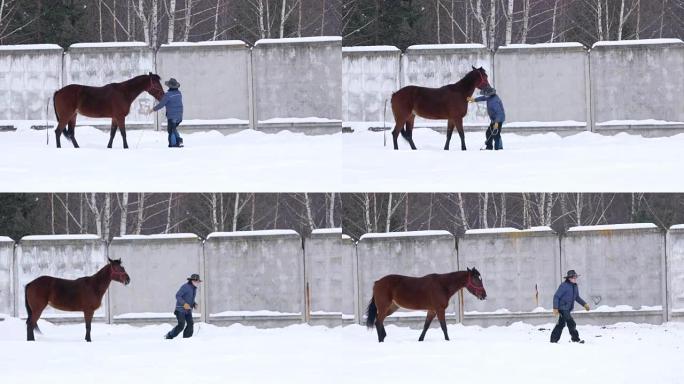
x,y
194,277
571,273
488,90
172,83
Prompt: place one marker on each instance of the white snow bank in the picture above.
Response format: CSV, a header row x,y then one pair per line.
x,y
291,40
563,123
542,45
482,231
6,239
626,308
615,227
428,47
151,315
636,42
260,313
244,161
299,120
265,232
111,44
158,236
59,237
30,47
342,355
205,43
371,48
405,234
189,122
322,231
544,162
638,122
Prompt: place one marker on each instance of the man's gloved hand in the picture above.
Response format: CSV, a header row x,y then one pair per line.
x,y
148,111
186,306
194,305
586,307
555,311
470,99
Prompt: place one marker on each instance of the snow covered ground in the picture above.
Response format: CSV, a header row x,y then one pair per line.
x,y
622,353
585,162
246,161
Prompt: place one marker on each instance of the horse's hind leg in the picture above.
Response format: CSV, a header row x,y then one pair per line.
x,y
112,133
408,133
442,322
450,131
428,320
34,309
72,131
383,308
88,315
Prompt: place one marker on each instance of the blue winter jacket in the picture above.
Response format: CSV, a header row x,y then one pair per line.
x,y
495,107
173,101
186,294
566,295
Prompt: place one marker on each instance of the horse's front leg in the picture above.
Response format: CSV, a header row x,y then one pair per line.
x,y
58,133
428,320
112,133
88,315
450,131
122,129
459,127
442,322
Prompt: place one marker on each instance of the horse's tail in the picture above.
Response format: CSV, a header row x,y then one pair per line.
x,y
371,313
54,106
29,312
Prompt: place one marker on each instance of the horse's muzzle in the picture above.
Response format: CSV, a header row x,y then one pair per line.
x,y
127,280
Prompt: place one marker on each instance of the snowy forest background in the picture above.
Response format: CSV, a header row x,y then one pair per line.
x,y
360,22
115,214
458,212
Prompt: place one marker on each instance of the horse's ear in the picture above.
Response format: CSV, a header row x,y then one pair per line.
x,y
109,260
468,269
150,74
473,67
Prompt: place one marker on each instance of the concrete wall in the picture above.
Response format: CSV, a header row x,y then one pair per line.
x,y
255,276
98,64
29,75
6,277
438,65
637,81
675,272
63,256
369,77
405,253
544,86
329,265
612,260
158,265
215,81
298,78
519,270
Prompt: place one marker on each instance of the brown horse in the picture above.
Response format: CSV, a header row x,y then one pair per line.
x,y
430,292
446,103
113,100
83,294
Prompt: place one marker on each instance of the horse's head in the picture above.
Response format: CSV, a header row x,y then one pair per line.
x,y
154,87
475,285
481,78
118,273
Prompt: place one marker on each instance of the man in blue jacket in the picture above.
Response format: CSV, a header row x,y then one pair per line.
x,y
173,102
185,302
496,113
563,303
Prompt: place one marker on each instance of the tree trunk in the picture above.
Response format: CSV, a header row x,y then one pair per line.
x,y
251,216
236,211
282,19
216,18
143,18
331,211
484,210
429,226
437,5
309,216
260,13
491,39
578,208
168,214
52,213
388,221
124,214
599,19
277,206
366,208
172,20
106,217
526,21
323,19
97,213
114,21
503,210
188,19
66,213
141,213
464,220
299,20
553,22
99,18
154,26
213,200
509,21
622,19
